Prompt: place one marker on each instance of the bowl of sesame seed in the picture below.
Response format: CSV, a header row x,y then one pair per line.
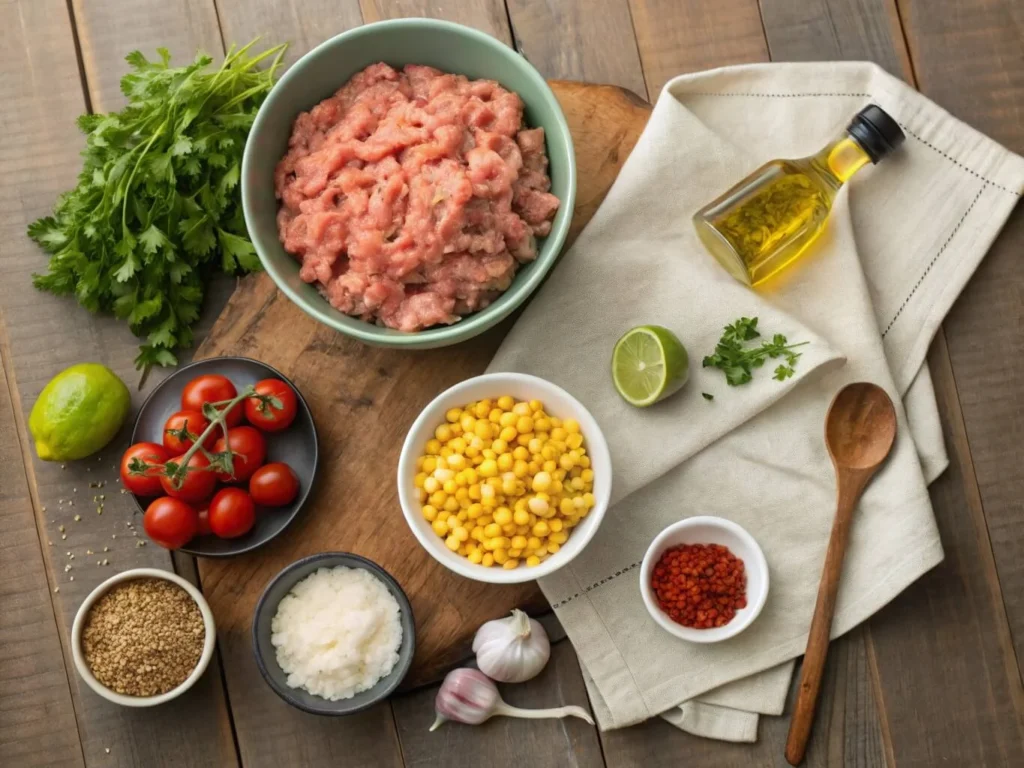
x,y
143,637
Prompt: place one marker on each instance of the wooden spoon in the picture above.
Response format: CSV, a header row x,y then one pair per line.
x,y
860,429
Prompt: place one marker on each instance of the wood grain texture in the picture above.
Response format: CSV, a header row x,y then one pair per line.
x,y
42,93
355,507
590,40
37,716
486,15
107,31
504,741
678,37
846,731
836,30
967,58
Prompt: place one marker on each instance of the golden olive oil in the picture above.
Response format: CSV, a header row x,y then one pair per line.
x,y
770,218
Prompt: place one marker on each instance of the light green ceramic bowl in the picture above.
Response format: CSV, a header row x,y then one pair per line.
x,y
318,74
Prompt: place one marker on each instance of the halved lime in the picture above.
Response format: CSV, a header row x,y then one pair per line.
x,y
649,363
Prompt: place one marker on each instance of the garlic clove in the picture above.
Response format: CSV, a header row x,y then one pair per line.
x,y
513,649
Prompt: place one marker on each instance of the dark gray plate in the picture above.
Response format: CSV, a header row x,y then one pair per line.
x,y
295,446
266,654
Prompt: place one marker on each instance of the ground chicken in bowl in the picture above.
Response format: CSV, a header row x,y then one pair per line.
x,y
410,198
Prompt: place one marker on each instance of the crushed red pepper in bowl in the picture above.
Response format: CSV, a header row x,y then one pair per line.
x,y
700,585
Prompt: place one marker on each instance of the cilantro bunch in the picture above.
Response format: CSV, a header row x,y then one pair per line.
x,y
737,360
157,209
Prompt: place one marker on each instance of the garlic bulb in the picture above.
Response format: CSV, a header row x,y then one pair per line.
x,y
512,650
469,696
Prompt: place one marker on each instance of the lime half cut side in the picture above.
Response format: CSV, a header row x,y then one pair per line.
x,y
649,363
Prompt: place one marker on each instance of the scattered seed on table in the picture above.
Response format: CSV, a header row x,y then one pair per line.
x,y
78,518
106,549
105,561
60,528
63,536
56,589
72,578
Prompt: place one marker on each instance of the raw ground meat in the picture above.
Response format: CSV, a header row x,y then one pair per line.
x,y
412,197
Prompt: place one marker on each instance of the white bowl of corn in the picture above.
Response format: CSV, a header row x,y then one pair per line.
x,y
504,478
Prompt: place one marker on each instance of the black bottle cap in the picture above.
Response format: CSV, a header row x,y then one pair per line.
x,y
875,131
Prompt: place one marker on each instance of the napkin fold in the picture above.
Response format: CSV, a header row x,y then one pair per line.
x,y
903,239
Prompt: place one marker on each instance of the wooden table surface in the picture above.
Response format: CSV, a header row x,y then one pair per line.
x,y
933,679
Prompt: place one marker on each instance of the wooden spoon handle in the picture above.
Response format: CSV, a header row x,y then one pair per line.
x,y
821,625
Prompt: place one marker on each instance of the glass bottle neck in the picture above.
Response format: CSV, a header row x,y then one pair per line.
x,y
841,159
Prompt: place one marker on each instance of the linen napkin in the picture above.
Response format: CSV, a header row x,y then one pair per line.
x,y
903,239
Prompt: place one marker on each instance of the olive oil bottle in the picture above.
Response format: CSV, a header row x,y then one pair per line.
x,y
768,220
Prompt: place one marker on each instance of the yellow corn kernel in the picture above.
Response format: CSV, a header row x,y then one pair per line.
x,y
579,504
506,463
460,533
558,538
443,433
449,487
574,441
476,556
559,434
431,485
518,542
571,426
509,486
541,529
509,530
577,484
440,527
420,478
507,420
585,462
484,519
487,453
488,468
555,525
438,498
503,516
541,482
433,447
508,434
587,475
521,453
453,415
520,468
531,562
549,467
421,496
461,516
494,415
511,563
520,516
492,530
524,440
524,425
534,543
452,504
430,513
565,506
457,462
487,560
477,533
458,444
466,421
535,446
537,505
452,543
473,511
515,553
506,402
542,424
522,530
567,461
500,556
462,493
589,500
522,409
474,492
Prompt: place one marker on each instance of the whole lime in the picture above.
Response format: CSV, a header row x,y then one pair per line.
x,y
78,412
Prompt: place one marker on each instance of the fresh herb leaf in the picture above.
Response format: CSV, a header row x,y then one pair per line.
x,y
738,361
157,208
707,395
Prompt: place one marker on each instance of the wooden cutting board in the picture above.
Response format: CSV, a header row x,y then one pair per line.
x,y
363,401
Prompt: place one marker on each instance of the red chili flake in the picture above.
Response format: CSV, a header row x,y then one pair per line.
x,y
700,585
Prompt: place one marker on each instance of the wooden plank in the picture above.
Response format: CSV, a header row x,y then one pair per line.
x,y
589,40
675,38
109,29
918,641
39,159
969,62
37,717
43,334
565,743
486,15
836,30
846,731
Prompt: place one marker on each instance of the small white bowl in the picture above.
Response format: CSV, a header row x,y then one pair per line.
x,y
708,530
96,594
557,402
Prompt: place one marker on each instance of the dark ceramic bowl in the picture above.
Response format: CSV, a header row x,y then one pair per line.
x,y
296,446
266,654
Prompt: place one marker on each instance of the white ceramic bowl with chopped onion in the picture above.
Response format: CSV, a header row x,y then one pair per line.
x,y
557,402
209,641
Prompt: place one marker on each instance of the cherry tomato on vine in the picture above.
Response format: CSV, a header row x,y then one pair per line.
x,y
274,485
203,512
250,449
198,483
170,522
232,513
266,415
145,481
182,429
211,388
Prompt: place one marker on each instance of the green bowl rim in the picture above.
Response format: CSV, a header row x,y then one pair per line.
x,y
485,318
